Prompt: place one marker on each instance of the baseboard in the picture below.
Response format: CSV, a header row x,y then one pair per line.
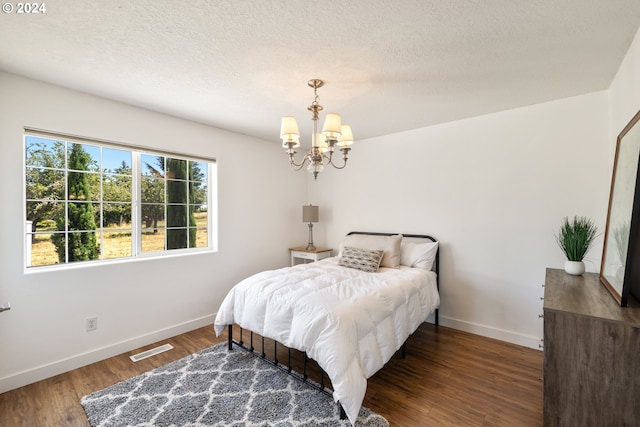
x,y
42,372
486,331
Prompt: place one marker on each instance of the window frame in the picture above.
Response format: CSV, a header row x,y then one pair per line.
x,y
136,226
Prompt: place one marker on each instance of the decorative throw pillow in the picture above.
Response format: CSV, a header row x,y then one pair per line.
x,y
361,259
419,255
390,245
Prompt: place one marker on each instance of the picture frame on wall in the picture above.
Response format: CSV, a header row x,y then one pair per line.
x,y
620,267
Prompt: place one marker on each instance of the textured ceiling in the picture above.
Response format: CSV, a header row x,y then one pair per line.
x,y
388,65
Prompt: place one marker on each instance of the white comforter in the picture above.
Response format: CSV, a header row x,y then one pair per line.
x,y
349,321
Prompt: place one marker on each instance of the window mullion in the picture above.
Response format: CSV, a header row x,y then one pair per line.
x,y
101,206
136,205
66,203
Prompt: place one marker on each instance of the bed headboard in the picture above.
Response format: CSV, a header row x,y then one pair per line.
x,y
436,267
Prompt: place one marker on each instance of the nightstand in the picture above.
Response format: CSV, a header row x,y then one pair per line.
x,y
301,255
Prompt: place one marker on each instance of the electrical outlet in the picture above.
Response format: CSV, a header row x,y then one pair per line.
x,y
92,323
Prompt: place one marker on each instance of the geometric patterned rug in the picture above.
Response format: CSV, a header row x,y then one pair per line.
x,y
217,387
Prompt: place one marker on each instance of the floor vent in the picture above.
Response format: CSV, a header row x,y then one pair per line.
x,y
152,352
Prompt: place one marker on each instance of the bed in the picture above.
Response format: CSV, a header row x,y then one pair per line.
x,y
345,312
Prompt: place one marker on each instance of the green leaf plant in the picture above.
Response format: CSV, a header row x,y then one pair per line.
x,y
576,237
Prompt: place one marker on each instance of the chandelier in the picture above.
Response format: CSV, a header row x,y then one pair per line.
x,y
322,144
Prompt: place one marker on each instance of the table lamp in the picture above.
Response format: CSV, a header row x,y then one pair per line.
x,y
310,215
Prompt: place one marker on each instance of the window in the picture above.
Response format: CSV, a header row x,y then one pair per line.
x,y
89,201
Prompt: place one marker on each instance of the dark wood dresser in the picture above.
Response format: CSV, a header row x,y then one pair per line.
x,y
591,354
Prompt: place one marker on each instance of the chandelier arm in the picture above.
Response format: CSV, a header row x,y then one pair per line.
x,y
294,165
345,157
328,158
340,167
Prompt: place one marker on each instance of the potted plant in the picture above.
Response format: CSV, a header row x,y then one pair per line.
x,y
575,238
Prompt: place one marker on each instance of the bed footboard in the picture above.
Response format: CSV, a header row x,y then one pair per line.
x,y
287,368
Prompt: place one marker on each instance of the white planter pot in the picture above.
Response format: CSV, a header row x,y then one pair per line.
x,y
575,268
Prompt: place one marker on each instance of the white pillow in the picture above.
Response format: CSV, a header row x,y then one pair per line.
x,y
419,255
389,244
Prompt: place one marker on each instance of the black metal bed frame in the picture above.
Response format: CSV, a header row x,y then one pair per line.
x,y
287,368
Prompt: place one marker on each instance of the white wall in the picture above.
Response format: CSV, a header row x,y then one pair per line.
x,y
493,189
624,93
136,302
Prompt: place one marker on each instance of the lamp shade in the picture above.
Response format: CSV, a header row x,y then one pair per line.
x,y
347,137
291,138
331,128
289,128
310,213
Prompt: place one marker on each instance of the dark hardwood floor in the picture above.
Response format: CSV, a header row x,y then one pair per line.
x,y
449,378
